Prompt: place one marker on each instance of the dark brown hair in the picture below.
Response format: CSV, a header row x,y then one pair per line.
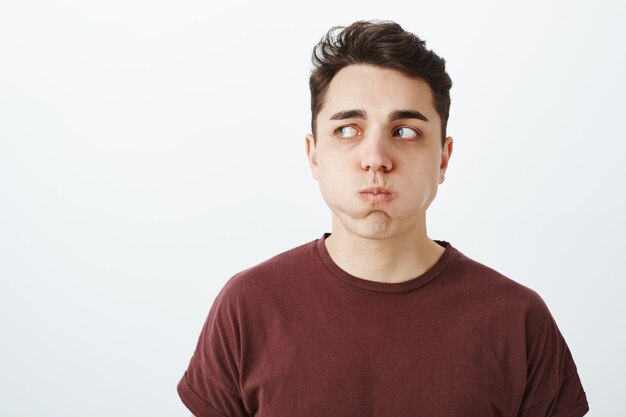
x,y
383,44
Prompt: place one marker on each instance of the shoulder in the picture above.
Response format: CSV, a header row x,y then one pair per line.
x,y
485,283
272,274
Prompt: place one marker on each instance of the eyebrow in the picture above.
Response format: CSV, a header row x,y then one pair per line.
x,y
394,115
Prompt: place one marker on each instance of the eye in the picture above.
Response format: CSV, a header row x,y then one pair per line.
x,y
348,131
408,133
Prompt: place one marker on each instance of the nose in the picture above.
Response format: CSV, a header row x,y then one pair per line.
x,y
375,154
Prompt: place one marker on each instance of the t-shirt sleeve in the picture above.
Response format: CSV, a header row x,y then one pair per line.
x,y
553,387
210,387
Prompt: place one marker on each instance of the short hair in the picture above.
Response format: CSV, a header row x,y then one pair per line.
x,y
384,44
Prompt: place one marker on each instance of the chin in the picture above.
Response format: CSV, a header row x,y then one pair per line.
x,y
369,225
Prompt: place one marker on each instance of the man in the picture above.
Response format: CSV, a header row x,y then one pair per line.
x,y
375,318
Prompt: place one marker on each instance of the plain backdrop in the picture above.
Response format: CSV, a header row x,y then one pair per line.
x,y
149,150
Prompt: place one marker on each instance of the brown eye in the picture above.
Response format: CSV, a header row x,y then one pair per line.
x,y
408,133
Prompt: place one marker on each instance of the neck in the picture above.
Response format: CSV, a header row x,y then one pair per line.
x,y
397,258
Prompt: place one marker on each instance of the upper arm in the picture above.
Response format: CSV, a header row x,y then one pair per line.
x,y
553,384
210,386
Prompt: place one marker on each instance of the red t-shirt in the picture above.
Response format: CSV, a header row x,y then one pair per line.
x,y
296,335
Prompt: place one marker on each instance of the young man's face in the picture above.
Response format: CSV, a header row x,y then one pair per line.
x,y
357,152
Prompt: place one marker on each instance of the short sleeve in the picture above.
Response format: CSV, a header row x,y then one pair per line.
x,y
210,386
553,387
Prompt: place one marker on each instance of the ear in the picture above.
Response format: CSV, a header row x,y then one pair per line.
x,y
311,152
446,152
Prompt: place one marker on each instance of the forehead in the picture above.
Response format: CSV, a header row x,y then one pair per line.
x,y
378,91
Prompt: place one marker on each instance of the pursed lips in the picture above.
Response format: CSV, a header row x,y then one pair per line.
x,y
376,194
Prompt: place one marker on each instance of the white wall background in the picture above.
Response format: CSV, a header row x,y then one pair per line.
x,y
149,150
